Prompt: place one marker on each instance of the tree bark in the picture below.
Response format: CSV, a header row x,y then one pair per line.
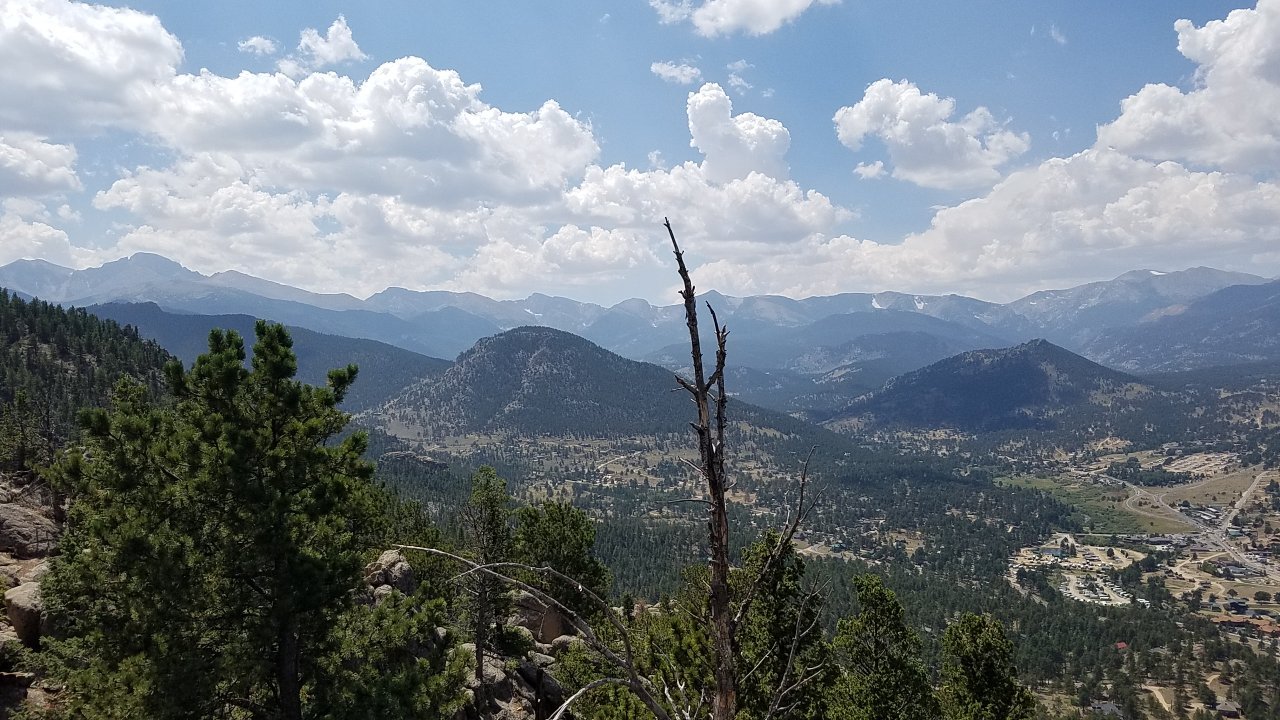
x,y
290,685
710,429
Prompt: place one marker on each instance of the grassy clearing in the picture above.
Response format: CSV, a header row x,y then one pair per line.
x,y
1221,490
1103,506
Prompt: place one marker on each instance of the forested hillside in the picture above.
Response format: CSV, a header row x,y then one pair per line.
x,y
1018,387
385,369
55,361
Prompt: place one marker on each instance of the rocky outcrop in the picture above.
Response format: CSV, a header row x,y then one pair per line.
x,y
26,532
26,612
390,569
546,623
517,689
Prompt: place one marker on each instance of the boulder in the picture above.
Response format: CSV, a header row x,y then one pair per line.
x,y
34,573
564,642
392,569
26,612
26,532
544,622
545,693
525,635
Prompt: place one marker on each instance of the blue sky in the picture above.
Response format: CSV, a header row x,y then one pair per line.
x,y
837,146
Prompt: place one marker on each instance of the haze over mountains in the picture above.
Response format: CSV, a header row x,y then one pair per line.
x,y
807,356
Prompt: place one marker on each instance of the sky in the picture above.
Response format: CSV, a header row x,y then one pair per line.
x,y
799,147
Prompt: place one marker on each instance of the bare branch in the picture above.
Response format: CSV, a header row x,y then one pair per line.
x,y
795,518
783,690
564,707
710,430
637,683
704,501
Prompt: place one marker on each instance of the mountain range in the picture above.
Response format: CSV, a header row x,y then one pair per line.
x,y
792,353
384,369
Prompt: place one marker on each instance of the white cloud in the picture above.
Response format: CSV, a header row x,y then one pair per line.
x,y
750,211
680,73
1069,220
1057,35
316,51
258,45
569,257
925,145
73,65
407,176
726,17
736,80
870,171
24,225
408,128
1230,119
736,200
31,166
735,145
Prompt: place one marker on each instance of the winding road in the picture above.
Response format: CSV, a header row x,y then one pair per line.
x,y
1209,534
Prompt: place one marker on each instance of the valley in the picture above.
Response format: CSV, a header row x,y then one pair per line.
x,y
971,467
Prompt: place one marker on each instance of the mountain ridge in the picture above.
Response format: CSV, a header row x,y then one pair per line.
x,y
773,332
1017,387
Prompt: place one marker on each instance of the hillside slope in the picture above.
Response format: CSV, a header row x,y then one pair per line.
x,y
385,370
984,390
1074,317
1238,324
61,360
544,381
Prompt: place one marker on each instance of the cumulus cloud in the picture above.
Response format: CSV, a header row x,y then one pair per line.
x,y
258,45
71,66
727,17
408,128
408,176
926,146
316,51
27,232
679,73
1230,119
31,166
1069,220
735,145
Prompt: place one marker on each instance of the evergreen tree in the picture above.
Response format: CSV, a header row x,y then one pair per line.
x,y
487,522
779,641
560,536
978,677
882,676
213,545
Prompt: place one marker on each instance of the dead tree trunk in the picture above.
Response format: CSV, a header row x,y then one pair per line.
x,y
708,395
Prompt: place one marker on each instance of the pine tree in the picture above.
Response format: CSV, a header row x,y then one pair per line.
x,y
560,536
882,676
213,544
780,641
978,677
487,522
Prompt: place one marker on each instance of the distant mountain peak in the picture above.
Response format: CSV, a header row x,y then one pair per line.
x,y
155,263
1023,386
37,263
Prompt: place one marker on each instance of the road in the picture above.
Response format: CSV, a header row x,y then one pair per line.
x,y
1240,504
1211,535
